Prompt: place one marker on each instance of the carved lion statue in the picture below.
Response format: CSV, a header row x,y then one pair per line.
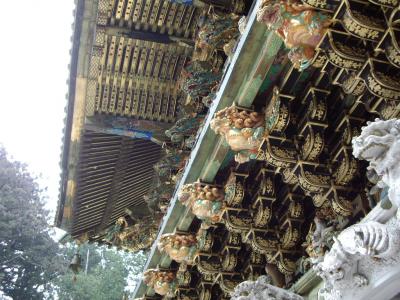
x,y
205,202
379,143
179,247
242,130
163,282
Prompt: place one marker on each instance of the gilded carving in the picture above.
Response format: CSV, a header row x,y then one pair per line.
x,y
351,22
206,202
319,60
179,247
393,55
314,183
342,62
313,146
353,85
342,206
346,171
296,209
300,27
164,283
375,87
290,238
316,3
237,224
286,266
263,216
234,191
139,236
242,130
263,245
277,113
229,261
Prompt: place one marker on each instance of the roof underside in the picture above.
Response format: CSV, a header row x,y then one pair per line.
x,y
114,173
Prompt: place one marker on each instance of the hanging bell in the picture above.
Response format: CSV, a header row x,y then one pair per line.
x,y
76,263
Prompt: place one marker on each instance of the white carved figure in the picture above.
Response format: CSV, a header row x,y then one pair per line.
x,y
261,289
339,266
379,143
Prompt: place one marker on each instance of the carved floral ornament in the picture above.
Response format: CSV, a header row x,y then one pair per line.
x,y
299,25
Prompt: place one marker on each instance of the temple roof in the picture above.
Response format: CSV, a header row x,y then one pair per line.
x,y
126,58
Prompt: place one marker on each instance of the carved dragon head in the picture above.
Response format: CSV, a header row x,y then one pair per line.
x,y
374,142
335,263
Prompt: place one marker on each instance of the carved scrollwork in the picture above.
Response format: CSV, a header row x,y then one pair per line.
x,y
347,167
317,108
184,278
227,285
387,3
205,240
256,258
392,48
318,200
353,85
260,243
321,4
205,294
342,206
208,266
363,26
290,237
289,177
229,261
286,266
296,210
267,187
342,54
277,115
278,155
379,83
313,145
234,239
237,222
234,192
312,182
319,59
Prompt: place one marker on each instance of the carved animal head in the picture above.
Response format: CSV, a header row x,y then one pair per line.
x,y
335,263
248,289
186,193
270,14
220,125
375,140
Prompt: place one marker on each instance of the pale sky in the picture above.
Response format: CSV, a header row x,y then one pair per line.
x,y
35,43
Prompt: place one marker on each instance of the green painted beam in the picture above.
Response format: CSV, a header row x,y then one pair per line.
x,y
249,67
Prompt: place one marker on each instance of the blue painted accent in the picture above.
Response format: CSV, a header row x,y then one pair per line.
x,y
136,134
185,2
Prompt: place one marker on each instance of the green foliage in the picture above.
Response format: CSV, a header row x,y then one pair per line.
x,y
33,266
109,272
29,257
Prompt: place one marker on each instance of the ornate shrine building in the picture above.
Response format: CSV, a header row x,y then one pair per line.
x,y
285,183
